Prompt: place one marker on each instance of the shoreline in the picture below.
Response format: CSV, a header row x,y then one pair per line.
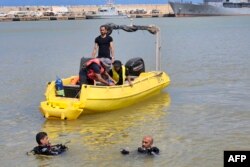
x,y
79,12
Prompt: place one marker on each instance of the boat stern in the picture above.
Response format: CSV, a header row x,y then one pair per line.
x,y
61,110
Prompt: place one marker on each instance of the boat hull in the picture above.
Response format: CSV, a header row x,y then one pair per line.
x,y
112,98
93,99
59,109
189,9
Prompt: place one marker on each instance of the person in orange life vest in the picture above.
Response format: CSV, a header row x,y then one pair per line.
x,y
119,73
96,70
104,45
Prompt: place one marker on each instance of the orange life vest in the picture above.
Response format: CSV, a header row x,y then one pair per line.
x,y
74,80
91,73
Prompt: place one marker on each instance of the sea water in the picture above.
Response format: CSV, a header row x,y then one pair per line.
x,y
203,112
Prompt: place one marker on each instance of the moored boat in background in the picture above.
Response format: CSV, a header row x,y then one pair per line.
x,y
211,8
107,11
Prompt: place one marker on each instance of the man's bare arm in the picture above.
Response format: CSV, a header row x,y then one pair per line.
x,y
96,47
100,79
112,50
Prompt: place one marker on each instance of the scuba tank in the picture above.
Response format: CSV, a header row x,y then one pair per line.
x,y
59,87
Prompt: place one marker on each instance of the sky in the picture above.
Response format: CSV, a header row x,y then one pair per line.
x,y
77,2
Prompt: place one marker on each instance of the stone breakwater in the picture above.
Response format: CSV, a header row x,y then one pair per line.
x,y
36,13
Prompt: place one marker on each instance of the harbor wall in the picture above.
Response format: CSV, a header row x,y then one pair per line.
x,y
163,8
79,12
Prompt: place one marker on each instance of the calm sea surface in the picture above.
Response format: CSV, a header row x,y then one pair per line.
x,y
203,112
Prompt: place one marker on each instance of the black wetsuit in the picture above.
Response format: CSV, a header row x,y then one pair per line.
x,y
50,150
150,151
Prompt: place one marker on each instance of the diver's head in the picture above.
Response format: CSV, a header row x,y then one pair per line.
x,y
147,142
42,138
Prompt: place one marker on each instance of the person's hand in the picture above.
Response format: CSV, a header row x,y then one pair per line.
x,y
111,84
113,59
113,80
125,151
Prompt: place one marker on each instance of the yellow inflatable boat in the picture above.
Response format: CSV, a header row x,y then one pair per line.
x,y
97,98
93,98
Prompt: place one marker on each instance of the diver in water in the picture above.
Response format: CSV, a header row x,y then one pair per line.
x,y
45,148
147,147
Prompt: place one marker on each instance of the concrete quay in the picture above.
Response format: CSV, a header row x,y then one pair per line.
x,y
43,18
79,12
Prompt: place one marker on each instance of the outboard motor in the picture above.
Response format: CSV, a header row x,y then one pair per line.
x,y
135,66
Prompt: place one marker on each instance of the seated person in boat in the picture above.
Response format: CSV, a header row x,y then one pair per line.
x,y
45,148
119,73
96,70
147,146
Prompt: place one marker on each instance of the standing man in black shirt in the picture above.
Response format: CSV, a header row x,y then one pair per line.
x,y
104,45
